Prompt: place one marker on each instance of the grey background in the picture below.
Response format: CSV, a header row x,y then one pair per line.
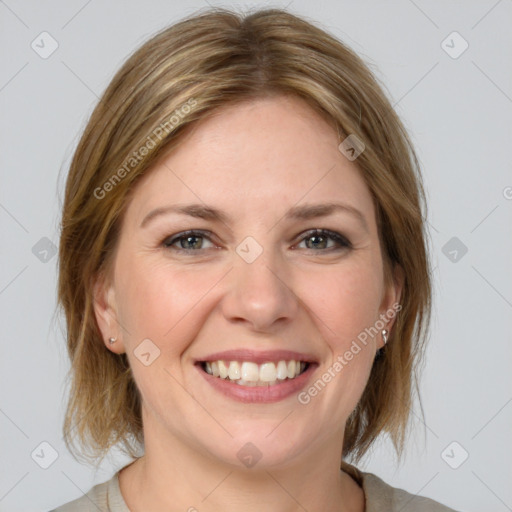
x,y
459,113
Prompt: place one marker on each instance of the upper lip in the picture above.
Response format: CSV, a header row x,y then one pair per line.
x,y
258,357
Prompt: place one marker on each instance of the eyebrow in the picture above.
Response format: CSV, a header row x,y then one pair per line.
x,y
304,212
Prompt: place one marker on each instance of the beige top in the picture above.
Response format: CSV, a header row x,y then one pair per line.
x,y
380,497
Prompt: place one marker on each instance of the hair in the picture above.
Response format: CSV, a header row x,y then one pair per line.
x,y
177,78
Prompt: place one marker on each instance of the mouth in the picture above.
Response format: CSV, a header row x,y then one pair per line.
x,y
257,377
252,374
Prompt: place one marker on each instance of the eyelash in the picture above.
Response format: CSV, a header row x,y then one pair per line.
x,y
343,243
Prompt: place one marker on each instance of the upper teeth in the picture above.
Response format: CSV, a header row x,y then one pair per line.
x,y
248,373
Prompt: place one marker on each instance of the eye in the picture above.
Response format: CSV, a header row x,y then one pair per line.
x,y
320,238
193,240
188,241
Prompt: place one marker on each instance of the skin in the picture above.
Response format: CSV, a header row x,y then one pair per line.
x,y
262,158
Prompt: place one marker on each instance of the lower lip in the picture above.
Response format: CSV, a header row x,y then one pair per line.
x,y
259,394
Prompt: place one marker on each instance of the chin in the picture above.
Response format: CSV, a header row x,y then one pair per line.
x,y
259,444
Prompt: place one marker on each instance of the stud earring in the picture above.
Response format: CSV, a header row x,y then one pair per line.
x,y
384,336
112,340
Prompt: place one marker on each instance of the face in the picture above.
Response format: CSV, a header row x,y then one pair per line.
x,y
271,290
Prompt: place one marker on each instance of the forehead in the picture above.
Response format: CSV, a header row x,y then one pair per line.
x,y
260,156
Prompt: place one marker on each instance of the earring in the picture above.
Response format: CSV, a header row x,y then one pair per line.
x,y
112,340
384,336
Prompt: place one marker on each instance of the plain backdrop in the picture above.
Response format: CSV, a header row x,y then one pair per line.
x,y
456,102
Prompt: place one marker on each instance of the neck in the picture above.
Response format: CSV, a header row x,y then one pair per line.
x,y
174,476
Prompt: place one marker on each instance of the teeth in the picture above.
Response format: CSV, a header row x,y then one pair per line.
x,y
291,369
251,374
282,370
234,370
223,369
268,372
243,382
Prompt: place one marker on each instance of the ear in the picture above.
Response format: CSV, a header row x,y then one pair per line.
x,y
106,313
390,305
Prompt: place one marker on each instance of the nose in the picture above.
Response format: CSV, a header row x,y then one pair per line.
x,y
260,294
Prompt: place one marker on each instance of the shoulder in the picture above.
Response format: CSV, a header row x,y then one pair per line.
x,y
381,496
104,497
95,499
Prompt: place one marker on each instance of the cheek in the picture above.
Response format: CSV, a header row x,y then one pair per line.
x,y
159,302
345,301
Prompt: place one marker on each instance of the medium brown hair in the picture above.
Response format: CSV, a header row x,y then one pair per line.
x,y
176,79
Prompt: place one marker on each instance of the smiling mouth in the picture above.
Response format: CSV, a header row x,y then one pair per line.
x,y
251,374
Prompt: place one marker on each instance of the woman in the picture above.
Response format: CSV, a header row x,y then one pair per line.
x,y
244,273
